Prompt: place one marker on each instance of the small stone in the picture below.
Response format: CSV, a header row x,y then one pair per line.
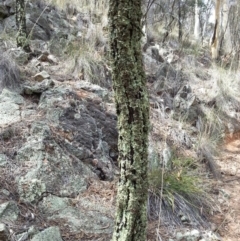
x,y
3,160
43,56
179,236
41,76
195,232
52,59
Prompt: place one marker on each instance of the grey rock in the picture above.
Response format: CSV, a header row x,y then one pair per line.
x,y
8,211
90,219
3,11
186,105
19,55
39,45
52,59
210,236
41,76
51,165
179,236
3,160
181,136
4,233
167,81
100,91
27,235
166,70
151,65
10,4
31,190
39,87
192,235
38,25
153,51
81,119
5,192
53,204
9,24
10,107
9,96
46,57
49,234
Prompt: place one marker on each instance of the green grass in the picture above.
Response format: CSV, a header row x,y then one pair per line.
x,y
177,192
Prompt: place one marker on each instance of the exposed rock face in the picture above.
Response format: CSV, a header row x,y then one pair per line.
x,y
72,144
43,22
74,140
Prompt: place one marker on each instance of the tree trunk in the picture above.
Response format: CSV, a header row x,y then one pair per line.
x,y
22,40
197,34
179,21
225,34
215,36
132,105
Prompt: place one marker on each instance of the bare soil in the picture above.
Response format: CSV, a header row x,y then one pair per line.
x,y
228,219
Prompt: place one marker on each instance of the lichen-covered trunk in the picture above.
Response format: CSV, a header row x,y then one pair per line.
x,y
132,106
22,40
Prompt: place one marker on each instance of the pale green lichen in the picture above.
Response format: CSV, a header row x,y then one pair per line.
x,y
31,190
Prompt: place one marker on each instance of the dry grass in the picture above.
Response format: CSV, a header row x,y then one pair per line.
x,y
179,192
9,73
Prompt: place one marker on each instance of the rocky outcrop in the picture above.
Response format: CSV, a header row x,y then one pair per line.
x,y
68,136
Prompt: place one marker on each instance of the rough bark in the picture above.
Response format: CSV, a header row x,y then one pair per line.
x,y
132,106
179,21
225,34
215,36
22,40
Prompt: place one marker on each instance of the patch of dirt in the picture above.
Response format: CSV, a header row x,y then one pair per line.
x,y
228,219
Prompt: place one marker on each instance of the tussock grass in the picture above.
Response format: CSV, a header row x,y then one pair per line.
x,y
229,87
99,6
9,73
179,195
85,57
88,64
